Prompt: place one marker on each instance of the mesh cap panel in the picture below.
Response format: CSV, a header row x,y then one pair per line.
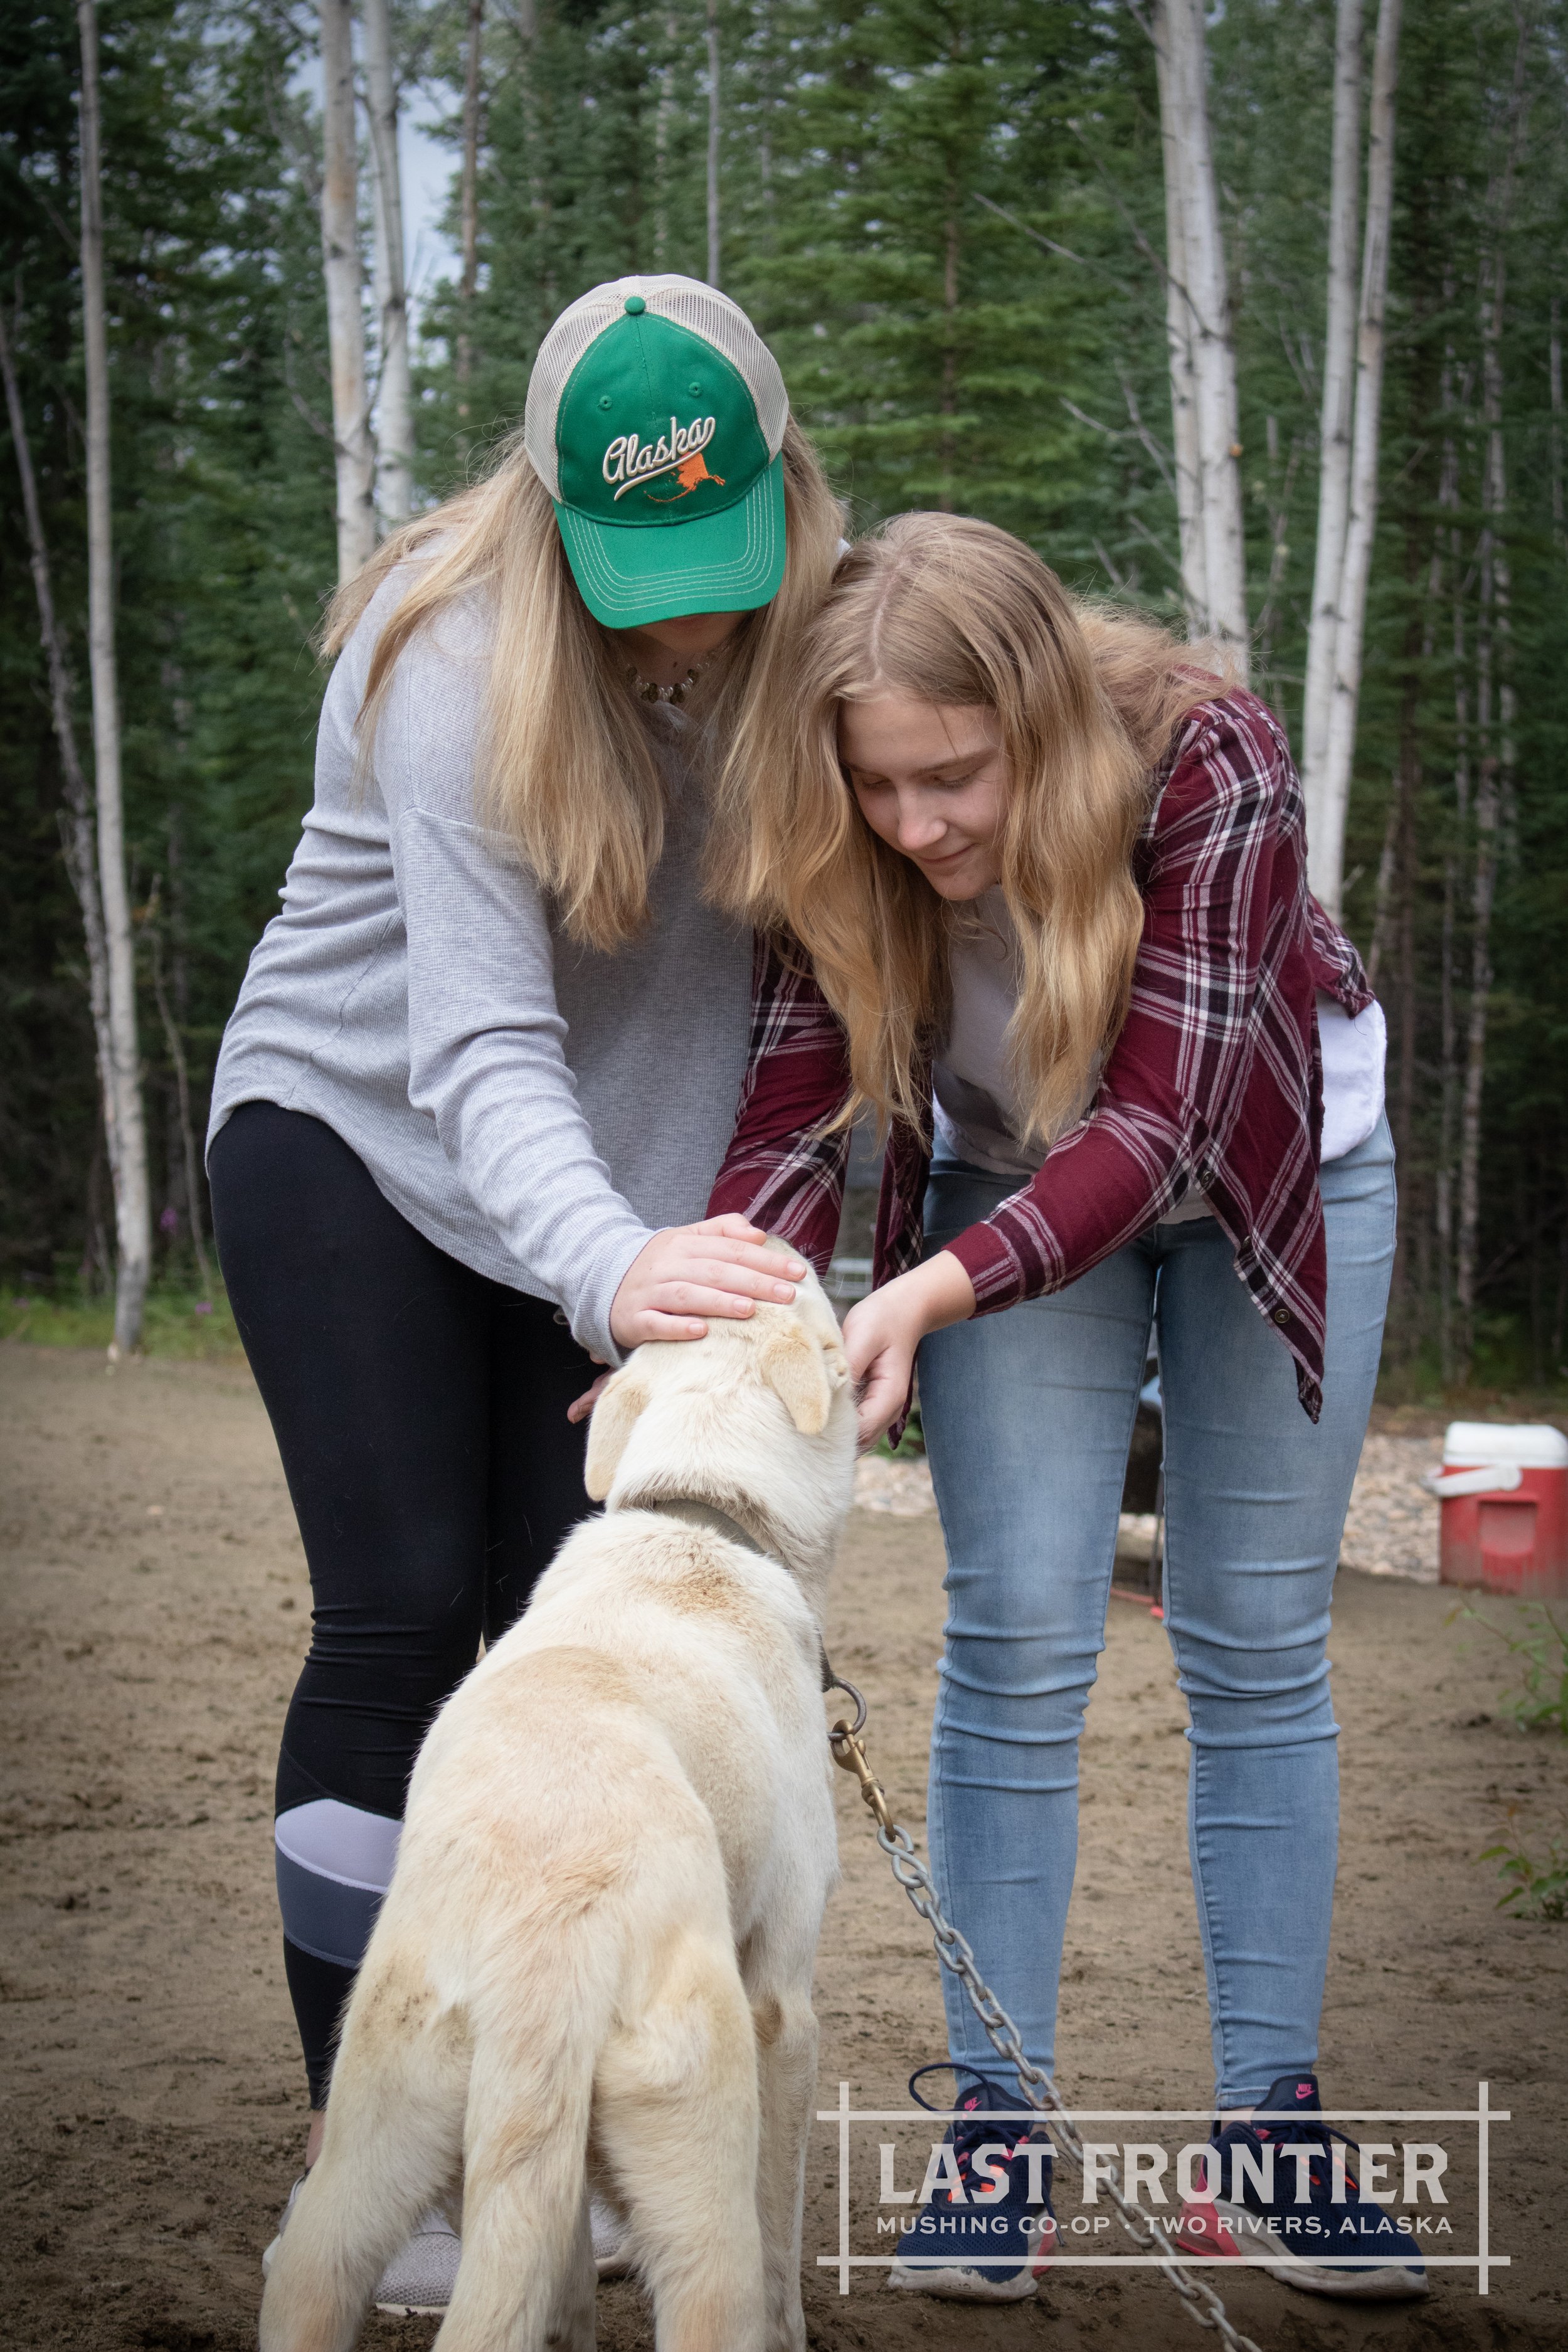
x,y
700,309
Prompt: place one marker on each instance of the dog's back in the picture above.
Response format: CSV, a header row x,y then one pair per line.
x,y
631,1783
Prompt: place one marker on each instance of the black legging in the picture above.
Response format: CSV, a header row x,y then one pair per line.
x,y
420,1409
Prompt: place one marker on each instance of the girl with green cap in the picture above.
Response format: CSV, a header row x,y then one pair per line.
x,y
486,1060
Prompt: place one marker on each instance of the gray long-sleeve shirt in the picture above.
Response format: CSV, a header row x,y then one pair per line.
x,y
534,1108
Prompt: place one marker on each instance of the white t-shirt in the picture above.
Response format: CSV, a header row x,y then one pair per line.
x,y
977,1110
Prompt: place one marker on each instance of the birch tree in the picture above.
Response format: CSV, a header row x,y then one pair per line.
x,y
1179,345
1204,355
394,399
1338,399
353,450
1327,807
133,1218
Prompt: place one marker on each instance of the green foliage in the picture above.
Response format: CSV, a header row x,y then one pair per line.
x,y
180,1323
912,1444
1539,1645
1536,1886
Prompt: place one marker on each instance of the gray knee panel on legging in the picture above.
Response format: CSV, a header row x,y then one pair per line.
x,y
335,1864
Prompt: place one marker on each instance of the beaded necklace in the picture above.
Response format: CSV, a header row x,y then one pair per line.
x,y
646,691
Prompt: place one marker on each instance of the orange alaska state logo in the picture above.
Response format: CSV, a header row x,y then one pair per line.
x,y
694,470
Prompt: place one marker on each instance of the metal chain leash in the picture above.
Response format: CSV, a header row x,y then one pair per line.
x,y
1039,2091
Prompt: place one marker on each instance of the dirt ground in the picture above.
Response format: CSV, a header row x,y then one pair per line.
x,y
155,1609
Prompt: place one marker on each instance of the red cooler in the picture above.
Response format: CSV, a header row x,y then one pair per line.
x,y
1504,1492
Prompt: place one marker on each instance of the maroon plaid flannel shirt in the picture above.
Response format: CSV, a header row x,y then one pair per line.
x,y
1214,1079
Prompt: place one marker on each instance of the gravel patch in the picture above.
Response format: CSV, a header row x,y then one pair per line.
x,y
1391,1528
901,1488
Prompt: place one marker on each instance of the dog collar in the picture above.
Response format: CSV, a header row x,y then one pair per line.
x,y
706,1514
703,1515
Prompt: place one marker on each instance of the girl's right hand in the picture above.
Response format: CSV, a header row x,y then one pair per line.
x,y
883,1332
687,1272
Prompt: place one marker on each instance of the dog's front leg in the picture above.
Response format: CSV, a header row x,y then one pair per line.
x,y
572,2323
786,2079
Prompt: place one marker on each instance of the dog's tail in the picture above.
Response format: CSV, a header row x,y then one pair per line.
x,y
525,2145
648,2036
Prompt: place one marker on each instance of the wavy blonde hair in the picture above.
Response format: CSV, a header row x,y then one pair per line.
x,y
568,770
1087,697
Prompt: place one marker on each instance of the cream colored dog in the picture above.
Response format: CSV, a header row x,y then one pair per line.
x,y
594,1957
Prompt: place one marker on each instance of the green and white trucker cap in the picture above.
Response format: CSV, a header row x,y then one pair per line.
x,y
655,417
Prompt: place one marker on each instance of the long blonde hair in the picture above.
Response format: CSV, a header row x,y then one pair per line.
x,y
568,770
1087,697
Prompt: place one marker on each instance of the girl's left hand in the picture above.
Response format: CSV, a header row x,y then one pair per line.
x,y
882,1332
581,1407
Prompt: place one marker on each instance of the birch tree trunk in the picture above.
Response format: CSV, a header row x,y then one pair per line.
x,y
1326,837
713,238
1179,344
469,201
134,1225
1180,23
346,311
1339,382
77,843
394,396
1495,741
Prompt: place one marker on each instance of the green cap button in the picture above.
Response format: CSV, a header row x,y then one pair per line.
x,y
635,306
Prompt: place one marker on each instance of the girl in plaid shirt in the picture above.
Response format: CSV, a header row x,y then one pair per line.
x,y
1051,878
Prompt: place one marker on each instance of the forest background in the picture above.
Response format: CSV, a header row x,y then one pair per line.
x,y
946,215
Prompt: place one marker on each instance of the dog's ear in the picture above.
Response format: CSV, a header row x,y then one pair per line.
x,y
619,1404
796,1366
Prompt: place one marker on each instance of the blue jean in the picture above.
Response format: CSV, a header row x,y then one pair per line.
x,y
1028,1419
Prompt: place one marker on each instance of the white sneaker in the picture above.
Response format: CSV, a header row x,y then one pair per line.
x,y
612,2257
420,2277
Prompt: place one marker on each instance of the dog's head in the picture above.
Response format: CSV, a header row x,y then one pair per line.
x,y
762,1410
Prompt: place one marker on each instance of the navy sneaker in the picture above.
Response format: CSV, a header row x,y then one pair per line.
x,y
987,2235
1301,2231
